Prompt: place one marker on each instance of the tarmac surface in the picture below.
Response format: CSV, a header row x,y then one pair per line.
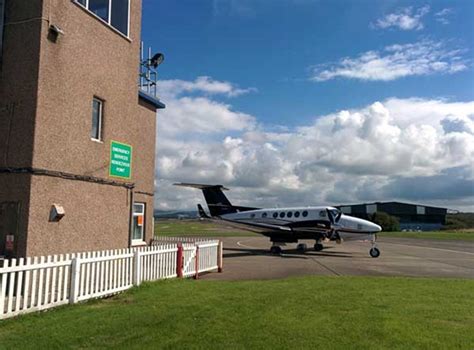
x,y
248,258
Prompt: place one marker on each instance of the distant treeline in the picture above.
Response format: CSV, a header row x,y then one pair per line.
x,y
459,221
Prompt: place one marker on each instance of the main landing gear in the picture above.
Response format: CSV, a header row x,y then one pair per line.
x,y
276,248
301,248
318,246
374,251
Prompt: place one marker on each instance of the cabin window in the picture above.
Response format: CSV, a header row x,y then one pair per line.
x,y
289,214
264,215
305,213
297,214
275,215
282,215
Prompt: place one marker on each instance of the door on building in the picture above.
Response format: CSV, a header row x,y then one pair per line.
x,y
9,220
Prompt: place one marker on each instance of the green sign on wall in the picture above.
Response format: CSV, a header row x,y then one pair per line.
x,y
120,160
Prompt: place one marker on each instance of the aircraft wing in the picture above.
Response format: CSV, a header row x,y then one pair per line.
x,y
281,228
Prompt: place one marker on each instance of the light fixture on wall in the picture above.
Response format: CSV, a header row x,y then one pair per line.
x,y
57,213
157,59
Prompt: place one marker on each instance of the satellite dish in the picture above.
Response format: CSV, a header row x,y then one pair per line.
x,y
157,59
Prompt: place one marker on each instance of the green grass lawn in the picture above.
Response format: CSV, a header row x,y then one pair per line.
x,y
467,235
197,228
310,312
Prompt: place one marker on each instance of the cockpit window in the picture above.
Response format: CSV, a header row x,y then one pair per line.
x,y
322,214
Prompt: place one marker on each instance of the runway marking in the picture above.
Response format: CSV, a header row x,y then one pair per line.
x,y
432,248
245,246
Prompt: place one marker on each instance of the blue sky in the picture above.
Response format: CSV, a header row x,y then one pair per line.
x,y
271,45
273,73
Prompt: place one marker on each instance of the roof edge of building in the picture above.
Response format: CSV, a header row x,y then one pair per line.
x,y
152,100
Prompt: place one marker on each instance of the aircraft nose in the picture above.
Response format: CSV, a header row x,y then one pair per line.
x,y
375,227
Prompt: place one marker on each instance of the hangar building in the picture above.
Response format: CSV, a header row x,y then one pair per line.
x,y
411,216
77,132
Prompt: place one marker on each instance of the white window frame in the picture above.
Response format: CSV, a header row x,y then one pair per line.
x,y
109,20
101,119
140,241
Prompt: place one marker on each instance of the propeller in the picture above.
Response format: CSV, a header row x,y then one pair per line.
x,y
334,220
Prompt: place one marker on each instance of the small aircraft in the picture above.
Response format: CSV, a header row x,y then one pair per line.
x,y
287,225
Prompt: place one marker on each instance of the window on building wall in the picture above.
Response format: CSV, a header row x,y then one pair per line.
x,y
371,208
420,210
138,232
97,119
115,12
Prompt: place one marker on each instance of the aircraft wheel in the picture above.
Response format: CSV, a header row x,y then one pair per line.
x,y
374,252
301,248
275,250
318,247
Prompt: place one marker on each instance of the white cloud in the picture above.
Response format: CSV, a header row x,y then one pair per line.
x,y
202,84
442,16
397,149
404,19
396,61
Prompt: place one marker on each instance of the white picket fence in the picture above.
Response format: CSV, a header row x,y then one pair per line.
x,y
40,283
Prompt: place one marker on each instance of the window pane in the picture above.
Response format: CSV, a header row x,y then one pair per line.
x,y
137,230
82,2
100,8
120,15
138,208
96,119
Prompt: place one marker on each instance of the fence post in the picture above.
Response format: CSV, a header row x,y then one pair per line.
x,y
179,261
196,263
75,278
137,268
220,260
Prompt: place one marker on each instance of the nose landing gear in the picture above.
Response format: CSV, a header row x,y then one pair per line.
x,y
374,251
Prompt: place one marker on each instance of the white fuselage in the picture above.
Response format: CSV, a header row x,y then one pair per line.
x,y
311,215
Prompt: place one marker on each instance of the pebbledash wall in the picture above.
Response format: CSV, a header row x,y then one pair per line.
x,y
48,81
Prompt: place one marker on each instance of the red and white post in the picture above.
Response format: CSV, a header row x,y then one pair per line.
x,y
179,261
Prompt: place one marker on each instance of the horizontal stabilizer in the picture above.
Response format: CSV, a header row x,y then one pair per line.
x,y
201,186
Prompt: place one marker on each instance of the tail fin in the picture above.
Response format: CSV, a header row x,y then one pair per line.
x,y
217,202
202,213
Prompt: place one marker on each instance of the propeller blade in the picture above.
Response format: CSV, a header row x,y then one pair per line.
x,y
330,216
